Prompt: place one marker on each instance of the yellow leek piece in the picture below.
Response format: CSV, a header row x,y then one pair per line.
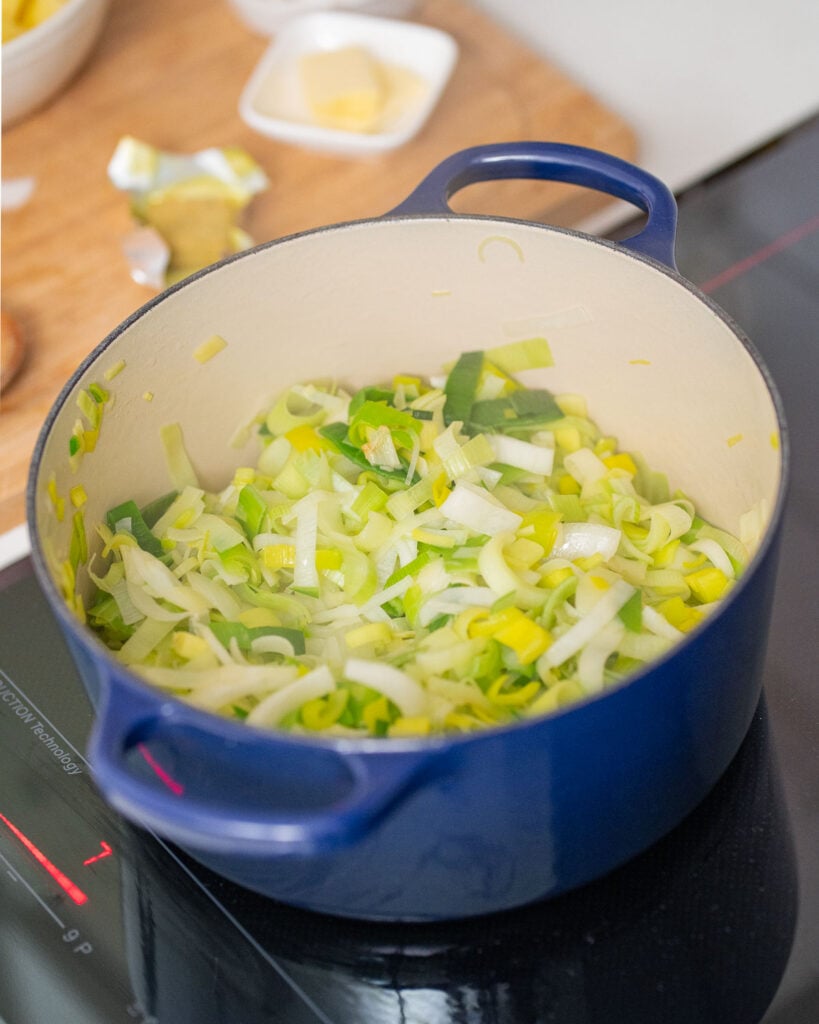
x,y
567,691
208,349
306,438
523,553
465,619
526,354
635,532
279,556
112,371
405,381
56,500
489,625
78,496
378,634
435,540
498,693
664,556
244,475
483,714
542,525
695,562
188,645
572,405
253,618
605,447
328,558
376,711
568,438
148,396
568,485
707,584
322,712
554,578
440,489
526,638
589,562
622,460
679,614
67,580
419,725
462,721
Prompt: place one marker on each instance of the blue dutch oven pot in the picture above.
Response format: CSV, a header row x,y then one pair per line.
x,y
452,826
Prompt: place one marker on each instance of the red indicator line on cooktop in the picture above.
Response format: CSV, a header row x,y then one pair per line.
x,y
771,249
65,883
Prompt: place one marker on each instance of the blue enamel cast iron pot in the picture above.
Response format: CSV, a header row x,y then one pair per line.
x,y
453,826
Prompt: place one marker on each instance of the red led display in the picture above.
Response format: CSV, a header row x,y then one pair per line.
x,y
65,883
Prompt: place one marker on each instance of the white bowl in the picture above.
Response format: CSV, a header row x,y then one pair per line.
x,y
267,16
428,52
39,62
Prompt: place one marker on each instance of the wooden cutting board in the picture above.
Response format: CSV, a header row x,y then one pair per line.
x,y
171,74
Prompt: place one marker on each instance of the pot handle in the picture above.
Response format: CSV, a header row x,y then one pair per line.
x,y
374,784
554,161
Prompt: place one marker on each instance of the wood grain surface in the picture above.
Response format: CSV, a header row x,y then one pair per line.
x,y
170,72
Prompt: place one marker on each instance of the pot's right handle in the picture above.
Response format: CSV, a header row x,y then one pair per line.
x,y
553,161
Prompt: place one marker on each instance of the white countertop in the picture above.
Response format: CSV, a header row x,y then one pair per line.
x,y
702,83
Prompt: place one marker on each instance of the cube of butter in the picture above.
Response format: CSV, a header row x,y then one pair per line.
x,y
344,88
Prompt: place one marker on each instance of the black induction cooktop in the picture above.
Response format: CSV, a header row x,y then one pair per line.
x,y
102,923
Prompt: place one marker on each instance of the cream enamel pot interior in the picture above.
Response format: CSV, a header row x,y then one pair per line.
x,y
452,826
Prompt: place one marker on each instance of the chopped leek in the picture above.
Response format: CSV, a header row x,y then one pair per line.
x,y
411,559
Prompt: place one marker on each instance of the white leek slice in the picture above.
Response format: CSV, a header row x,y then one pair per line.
x,y
305,574
221,535
715,554
217,594
511,451
143,640
254,678
659,624
454,600
184,510
582,540
400,688
145,572
502,579
475,508
179,465
272,709
592,661
397,589
578,635
127,609
585,466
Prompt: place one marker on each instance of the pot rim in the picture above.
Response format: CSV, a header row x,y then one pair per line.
x,y
122,676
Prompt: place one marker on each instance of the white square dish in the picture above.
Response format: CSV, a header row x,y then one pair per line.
x,y
273,102
266,17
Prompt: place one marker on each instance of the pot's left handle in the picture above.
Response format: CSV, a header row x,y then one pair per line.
x,y
235,823
553,161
